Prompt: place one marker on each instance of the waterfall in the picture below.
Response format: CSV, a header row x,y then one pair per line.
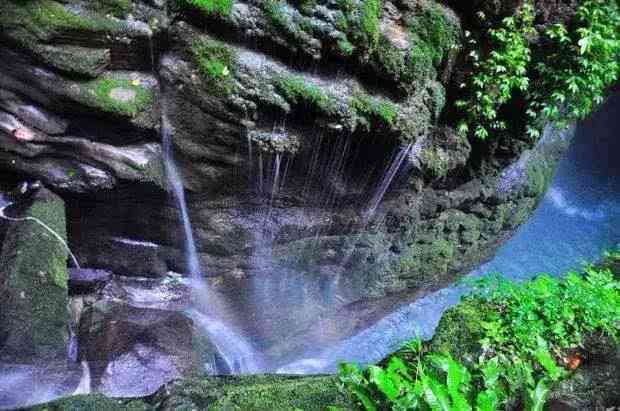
x,y
84,387
238,354
176,184
388,177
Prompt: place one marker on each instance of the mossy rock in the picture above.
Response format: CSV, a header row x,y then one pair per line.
x,y
258,393
459,330
93,402
33,269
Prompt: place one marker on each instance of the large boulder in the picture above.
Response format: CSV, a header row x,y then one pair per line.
x,y
33,280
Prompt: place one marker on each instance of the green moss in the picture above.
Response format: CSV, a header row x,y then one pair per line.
x,y
361,22
369,19
431,36
539,175
217,63
256,393
275,12
436,161
34,288
300,93
74,59
373,111
98,93
42,18
93,402
460,330
220,8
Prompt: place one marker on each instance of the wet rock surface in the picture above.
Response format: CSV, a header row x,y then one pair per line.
x,y
319,174
33,280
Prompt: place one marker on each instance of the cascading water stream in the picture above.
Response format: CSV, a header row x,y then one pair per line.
x,y
238,354
174,179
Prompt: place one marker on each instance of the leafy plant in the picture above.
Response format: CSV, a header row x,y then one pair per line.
x,y
498,75
584,61
562,80
526,329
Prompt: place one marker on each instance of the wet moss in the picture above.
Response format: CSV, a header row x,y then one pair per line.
x,y
298,92
374,112
116,8
34,290
93,402
100,93
217,64
74,59
369,21
432,35
274,10
436,161
460,330
43,18
254,393
220,8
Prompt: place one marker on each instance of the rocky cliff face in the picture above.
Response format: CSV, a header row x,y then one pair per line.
x,y
311,138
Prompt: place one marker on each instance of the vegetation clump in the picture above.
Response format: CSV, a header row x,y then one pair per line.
x,y
561,78
371,110
41,18
584,61
431,37
497,76
512,343
133,97
116,8
221,8
298,92
216,62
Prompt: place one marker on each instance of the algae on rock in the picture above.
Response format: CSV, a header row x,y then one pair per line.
x,y
33,265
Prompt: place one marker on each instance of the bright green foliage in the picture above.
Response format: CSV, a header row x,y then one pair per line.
x,y
99,92
584,61
372,110
562,312
568,79
216,62
210,7
524,329
298,92
497,76
369,20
